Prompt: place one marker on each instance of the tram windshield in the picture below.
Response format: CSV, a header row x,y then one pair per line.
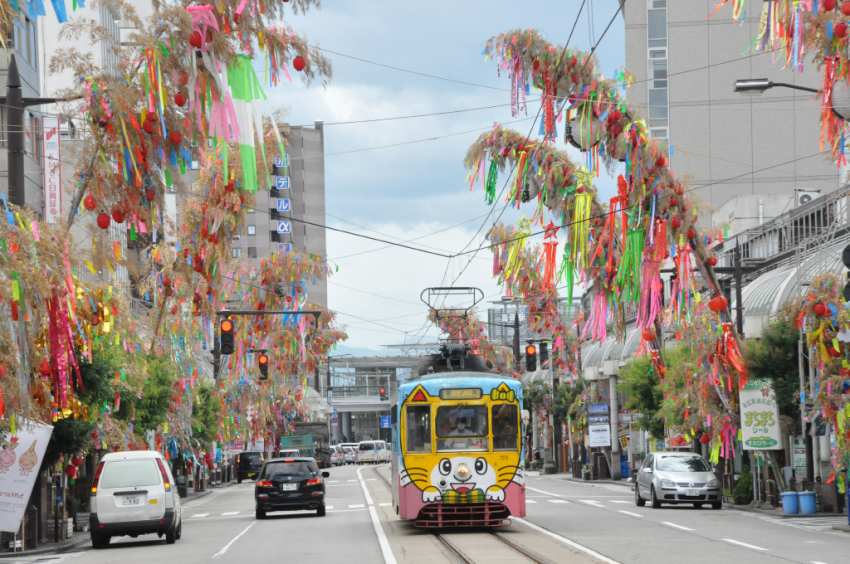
x,y
462,427
505,423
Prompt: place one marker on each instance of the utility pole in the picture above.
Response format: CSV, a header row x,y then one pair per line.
x,y
516,340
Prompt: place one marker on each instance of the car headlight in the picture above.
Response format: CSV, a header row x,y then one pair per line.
x,y
713,484
665,483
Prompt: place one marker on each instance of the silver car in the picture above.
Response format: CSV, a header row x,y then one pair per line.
x,y
677,477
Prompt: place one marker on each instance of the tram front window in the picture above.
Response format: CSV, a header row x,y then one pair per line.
x,y
462,427
505,423
418,428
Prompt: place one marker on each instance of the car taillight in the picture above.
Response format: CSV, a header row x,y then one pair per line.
x,y
164,475
265,484
96,479
314,482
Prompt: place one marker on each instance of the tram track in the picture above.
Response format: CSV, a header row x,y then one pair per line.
x,y
457,553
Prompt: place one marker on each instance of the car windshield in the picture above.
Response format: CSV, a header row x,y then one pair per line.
x,y
681,464
274,469
456,422
127,473
367,446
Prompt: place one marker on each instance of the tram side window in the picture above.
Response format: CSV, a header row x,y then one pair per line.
x,y
418,428
462,427
505,423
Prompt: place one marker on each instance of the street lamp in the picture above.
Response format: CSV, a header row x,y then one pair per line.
x,y
757,86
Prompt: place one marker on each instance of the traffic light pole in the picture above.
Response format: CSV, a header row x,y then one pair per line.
x,y
217,350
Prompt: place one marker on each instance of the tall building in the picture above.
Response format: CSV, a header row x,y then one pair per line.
x,y
751,157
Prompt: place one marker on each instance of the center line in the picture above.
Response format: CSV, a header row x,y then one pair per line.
x,y
739,543
231,513
223,550
541,491
674,525
359,506
630,513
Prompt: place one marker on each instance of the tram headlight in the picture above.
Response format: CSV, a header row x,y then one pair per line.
x,y
462,472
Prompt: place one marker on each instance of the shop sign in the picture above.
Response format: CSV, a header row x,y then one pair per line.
x,y
600,435
759,416
20,462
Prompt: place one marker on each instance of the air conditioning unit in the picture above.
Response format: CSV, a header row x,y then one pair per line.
x,y
806,196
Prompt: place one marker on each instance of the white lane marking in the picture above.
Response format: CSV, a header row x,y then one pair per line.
x,y
541,491
619,501
674,525
223,550
557,501
527,501
591,502
739,543
566,541
384,504
230,513
630,513
332,481
816,562
201,515
389,557
357,506
352,480
371,479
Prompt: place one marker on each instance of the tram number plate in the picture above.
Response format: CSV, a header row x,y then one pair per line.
x,y
461,394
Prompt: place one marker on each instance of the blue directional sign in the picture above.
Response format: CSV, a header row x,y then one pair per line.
x,y
283,183
335,412
284,247
283,204
284,227
385,422
278,161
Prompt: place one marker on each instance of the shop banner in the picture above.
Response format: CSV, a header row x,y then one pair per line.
x,y
20,462
52,170
799,457
600,435
759,416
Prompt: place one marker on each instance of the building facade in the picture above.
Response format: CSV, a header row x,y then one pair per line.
x,y
685,65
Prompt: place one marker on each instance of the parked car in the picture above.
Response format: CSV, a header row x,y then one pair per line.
x,y
383,451
350,454
337,458
288,485
248,465
133,493
677,477
367,451
289,453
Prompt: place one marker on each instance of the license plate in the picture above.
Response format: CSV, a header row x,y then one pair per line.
x,y
131,500
289,487
251,475
692,493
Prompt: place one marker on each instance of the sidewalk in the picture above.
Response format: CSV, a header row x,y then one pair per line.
x,y
621,483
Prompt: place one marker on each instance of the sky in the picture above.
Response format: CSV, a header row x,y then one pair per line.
x,y
417,189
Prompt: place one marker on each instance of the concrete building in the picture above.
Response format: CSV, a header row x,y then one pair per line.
x,y
685,67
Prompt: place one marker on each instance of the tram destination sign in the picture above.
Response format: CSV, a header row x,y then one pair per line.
x,y
461,394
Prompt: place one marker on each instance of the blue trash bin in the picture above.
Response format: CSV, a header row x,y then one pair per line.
x,y
808,503
790,503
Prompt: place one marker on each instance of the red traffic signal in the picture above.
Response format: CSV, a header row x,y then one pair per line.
x,y
228,339
530,349
227,326
263,361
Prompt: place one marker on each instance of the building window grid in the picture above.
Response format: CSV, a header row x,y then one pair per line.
x,y
657,83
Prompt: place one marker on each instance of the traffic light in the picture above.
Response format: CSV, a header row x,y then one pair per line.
x,y
530,358
845,256
228,344
263,361
544,352
384,394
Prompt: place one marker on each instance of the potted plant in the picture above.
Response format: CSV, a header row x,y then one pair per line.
x,y
585,472
528,464
83,518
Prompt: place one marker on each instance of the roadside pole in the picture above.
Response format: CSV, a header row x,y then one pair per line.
x,y
616,473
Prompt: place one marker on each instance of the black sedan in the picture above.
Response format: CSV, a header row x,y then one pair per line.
x,y
289,484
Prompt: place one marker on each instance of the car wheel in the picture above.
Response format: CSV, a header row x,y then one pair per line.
x,y
260,514
717,505
655,503
99,541
179,532
639,501
698,505
320,512
171,535
238,480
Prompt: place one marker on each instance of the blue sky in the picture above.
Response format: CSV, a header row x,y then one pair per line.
x,y
415,189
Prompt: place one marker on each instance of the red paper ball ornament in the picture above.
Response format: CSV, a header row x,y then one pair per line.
x,y
183,78
44,369
175,137
840,30
180,99
674,202
845,8
724,303
691,233
299,63
828,5
712,261
574,79
704,438
196,298
71,471
676,222
573,60
648,335
90,203
148,126
617,114
166,281
661,162
103,220
95,320
819,309
117,216
580,189
149,194
834,352
77,460
195,39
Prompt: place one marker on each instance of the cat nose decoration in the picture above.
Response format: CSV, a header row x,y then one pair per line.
x,y
462,473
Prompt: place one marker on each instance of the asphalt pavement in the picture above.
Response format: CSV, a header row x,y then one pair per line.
x,y
567,522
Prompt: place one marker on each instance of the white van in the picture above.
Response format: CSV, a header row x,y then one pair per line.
x,y
383,451
133,493
367,451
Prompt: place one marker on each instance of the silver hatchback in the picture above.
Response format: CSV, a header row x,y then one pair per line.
x,y
677,477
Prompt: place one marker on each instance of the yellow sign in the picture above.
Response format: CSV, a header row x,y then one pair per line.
x,y
461,394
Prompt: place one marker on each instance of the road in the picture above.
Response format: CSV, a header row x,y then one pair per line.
x,y
567,522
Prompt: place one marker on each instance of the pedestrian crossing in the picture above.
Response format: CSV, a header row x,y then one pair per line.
x,y
807,523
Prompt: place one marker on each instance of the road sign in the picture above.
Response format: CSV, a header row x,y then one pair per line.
x,y
283,204
334,421
278,161
385,422
283,183
331,399
284,247
335,412
284,227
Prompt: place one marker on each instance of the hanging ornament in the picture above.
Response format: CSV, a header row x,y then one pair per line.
x,y
90,203
299,63
148,126
195,39
175,137
180,99
103,220
149,194
117,216
712,261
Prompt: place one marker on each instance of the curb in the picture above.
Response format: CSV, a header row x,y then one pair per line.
x,y
778,513
842,528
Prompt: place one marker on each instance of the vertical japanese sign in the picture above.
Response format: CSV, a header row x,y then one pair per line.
x,y
20,462
759,416
52,170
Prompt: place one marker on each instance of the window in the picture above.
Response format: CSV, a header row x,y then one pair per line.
x,y
237,253
292,469
656,27
33,43
252,252
505,425
128,473
657,83
682,464
455,423
252,230
418,424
